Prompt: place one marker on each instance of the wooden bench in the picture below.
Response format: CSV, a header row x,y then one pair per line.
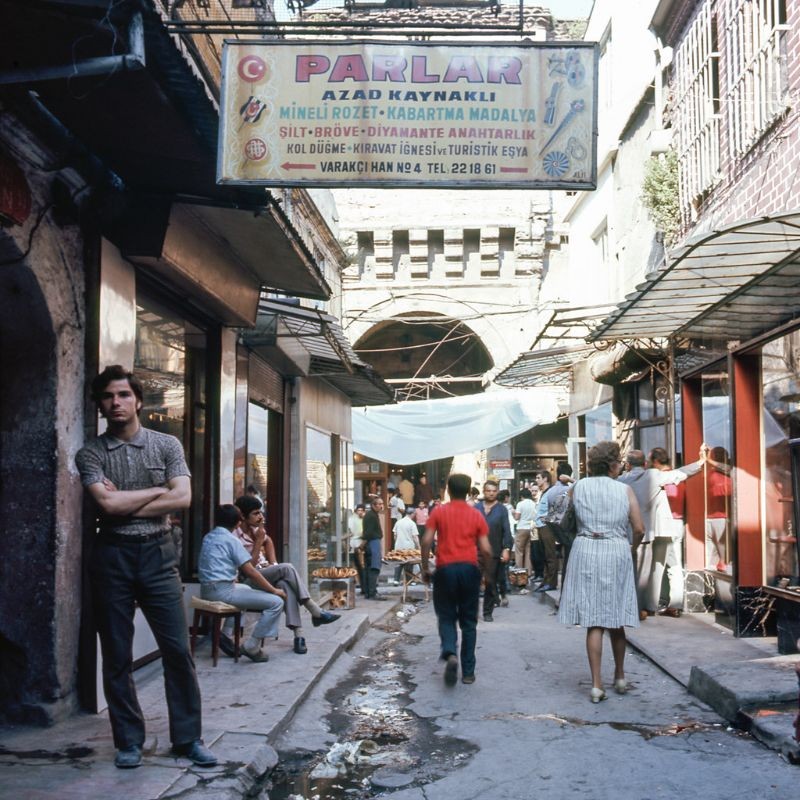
x,y
215,612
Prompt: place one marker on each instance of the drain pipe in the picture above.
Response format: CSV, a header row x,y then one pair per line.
x,y
133,60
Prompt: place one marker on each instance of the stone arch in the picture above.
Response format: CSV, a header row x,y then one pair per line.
x,y
418,345
500,338
28,483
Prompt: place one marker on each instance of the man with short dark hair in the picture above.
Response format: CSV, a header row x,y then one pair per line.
x,y
222,555
500,541
461,531
136,477
546,537
372,534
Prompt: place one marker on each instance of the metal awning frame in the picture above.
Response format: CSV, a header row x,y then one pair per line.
x,y
731,284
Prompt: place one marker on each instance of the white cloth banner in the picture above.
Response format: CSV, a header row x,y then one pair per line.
x,y
424,430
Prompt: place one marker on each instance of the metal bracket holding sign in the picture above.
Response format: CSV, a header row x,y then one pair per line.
x,y
397,114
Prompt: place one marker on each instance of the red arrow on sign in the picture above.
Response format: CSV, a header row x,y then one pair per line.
x,y
288,165
513,169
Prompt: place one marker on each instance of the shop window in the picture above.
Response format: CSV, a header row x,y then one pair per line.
x,y
716,405
320,500
257,470
780,365
652,411
347,500
171,362
599,425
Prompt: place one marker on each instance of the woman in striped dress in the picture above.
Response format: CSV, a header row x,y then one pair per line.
x,y
599,592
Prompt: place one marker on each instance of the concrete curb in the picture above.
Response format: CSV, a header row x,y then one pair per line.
x,y
734,691
263,757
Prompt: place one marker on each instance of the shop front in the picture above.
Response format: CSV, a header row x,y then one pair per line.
x,y
738,325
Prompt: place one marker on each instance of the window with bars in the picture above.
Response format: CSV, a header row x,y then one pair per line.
x,y
697,108
755,59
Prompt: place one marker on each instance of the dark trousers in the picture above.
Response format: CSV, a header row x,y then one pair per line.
x,y
456,594
359,557
550,574
495,584
373,559
537,558
122,575
565,539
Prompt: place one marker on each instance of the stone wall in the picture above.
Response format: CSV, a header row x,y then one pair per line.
x,y
42,330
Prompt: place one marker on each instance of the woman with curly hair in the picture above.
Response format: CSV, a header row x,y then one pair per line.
x,y
599,591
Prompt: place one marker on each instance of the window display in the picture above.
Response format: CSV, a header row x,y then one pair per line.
x,y
780,364
321,547
716,406
170,362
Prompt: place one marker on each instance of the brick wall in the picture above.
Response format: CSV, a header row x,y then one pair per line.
x,y
766,178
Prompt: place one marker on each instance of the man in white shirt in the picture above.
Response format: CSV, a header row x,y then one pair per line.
x,y
525,515
396,506
406,537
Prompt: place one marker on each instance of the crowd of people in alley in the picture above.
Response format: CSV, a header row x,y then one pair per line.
x,y
612,542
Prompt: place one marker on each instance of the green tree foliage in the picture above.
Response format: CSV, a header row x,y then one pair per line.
x,y
660,194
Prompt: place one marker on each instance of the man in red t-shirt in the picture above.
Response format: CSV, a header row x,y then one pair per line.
x,y
460,531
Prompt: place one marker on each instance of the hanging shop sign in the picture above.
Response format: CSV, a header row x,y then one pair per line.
x,y
396,114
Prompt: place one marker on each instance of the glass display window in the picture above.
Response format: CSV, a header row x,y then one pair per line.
x,y
780,368
170,360
718,490
320,499
599,425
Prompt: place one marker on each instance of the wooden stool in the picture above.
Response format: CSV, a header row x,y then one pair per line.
x,y
215,611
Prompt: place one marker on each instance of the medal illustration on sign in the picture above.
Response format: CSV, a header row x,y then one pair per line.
x,y
252,110
575,107
550,104
556,164
255,149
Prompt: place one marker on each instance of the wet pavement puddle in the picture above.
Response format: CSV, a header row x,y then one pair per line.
x,y
381,745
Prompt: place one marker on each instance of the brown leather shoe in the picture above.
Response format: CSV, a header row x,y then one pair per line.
x,y
670,612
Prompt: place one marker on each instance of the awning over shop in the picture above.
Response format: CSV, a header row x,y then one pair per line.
x,y
731,284
307,343
551,367
424,430
266,243
557,347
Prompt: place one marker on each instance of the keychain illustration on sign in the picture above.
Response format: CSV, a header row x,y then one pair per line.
x,y
550,104
575,107
556,164
575,149
574,69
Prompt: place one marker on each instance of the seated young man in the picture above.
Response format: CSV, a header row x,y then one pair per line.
x,y
222,555
254,538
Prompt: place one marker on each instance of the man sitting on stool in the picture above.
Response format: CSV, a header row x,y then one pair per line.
x,y
255,539
221,557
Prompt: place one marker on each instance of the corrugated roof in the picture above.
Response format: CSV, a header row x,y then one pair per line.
x,y
328,353
532,17
550,367
731,284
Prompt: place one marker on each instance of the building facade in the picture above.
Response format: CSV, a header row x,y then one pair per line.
x,y
117,246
